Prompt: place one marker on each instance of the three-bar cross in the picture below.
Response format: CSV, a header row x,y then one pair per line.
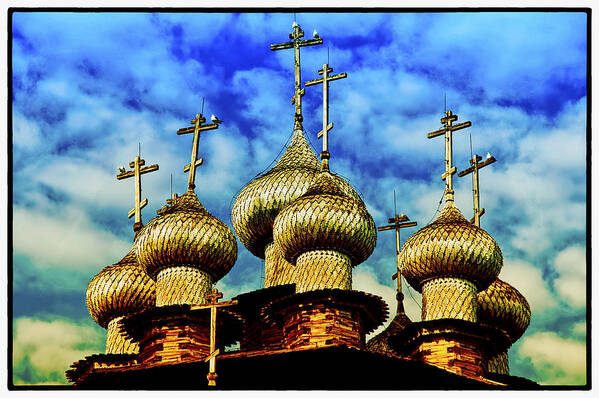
x,y
325,79
136,172
475,166
296,43
196,129
448,128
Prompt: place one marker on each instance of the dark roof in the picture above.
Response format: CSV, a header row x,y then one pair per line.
x,y
330,368
250,304
493,339
78,368
229,323
380,342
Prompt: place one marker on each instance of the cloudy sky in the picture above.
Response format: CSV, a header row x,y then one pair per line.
x,y
88,87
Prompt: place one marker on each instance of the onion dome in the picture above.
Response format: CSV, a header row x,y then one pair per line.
x,y
451,247
503,307
325,218
186,234
259,202
119,289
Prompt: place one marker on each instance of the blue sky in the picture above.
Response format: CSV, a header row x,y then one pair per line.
x,y
88,87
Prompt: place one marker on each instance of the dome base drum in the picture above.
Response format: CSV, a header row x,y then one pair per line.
x,y
116,343
277,270
453,298
499,364
182,285
323,269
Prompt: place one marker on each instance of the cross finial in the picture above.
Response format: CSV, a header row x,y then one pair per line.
x,y
136,172
296,43
476,165
214,296
396,223
448,127
324,133
196,129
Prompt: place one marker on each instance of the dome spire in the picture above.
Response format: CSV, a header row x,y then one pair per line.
x,y
397,223
196,129
136,172
324,133
450,169
296,43
476,165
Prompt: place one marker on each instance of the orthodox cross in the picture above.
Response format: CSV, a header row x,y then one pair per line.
x,y
296,35
213,304
475,166
447,129
397,223
324,133
196,129
136,172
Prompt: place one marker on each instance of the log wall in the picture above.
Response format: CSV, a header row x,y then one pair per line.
x,y
321,325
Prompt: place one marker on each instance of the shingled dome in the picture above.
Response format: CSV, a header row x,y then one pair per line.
x,y
451,247
259,202
186,234
119,289
504,307
325,217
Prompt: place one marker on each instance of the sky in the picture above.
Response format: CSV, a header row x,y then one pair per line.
x,y
88,88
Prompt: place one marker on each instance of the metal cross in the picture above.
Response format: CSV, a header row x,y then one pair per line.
x,y
475,166
136,172
448,128
398,222
296,35
325,79
195,162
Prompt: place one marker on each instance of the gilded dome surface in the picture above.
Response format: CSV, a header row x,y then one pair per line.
x,y
120,289
504,307
451,247
325,218
259,202
186,234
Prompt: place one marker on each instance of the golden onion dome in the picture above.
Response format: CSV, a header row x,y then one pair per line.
x,y
186,234
451,247
325,218
503,307
259,202
120,289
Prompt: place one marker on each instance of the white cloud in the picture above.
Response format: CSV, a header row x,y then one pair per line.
x,y
67,239
580,328
557,360
572,282
529,281
230,290
84,181
26,133
50,347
